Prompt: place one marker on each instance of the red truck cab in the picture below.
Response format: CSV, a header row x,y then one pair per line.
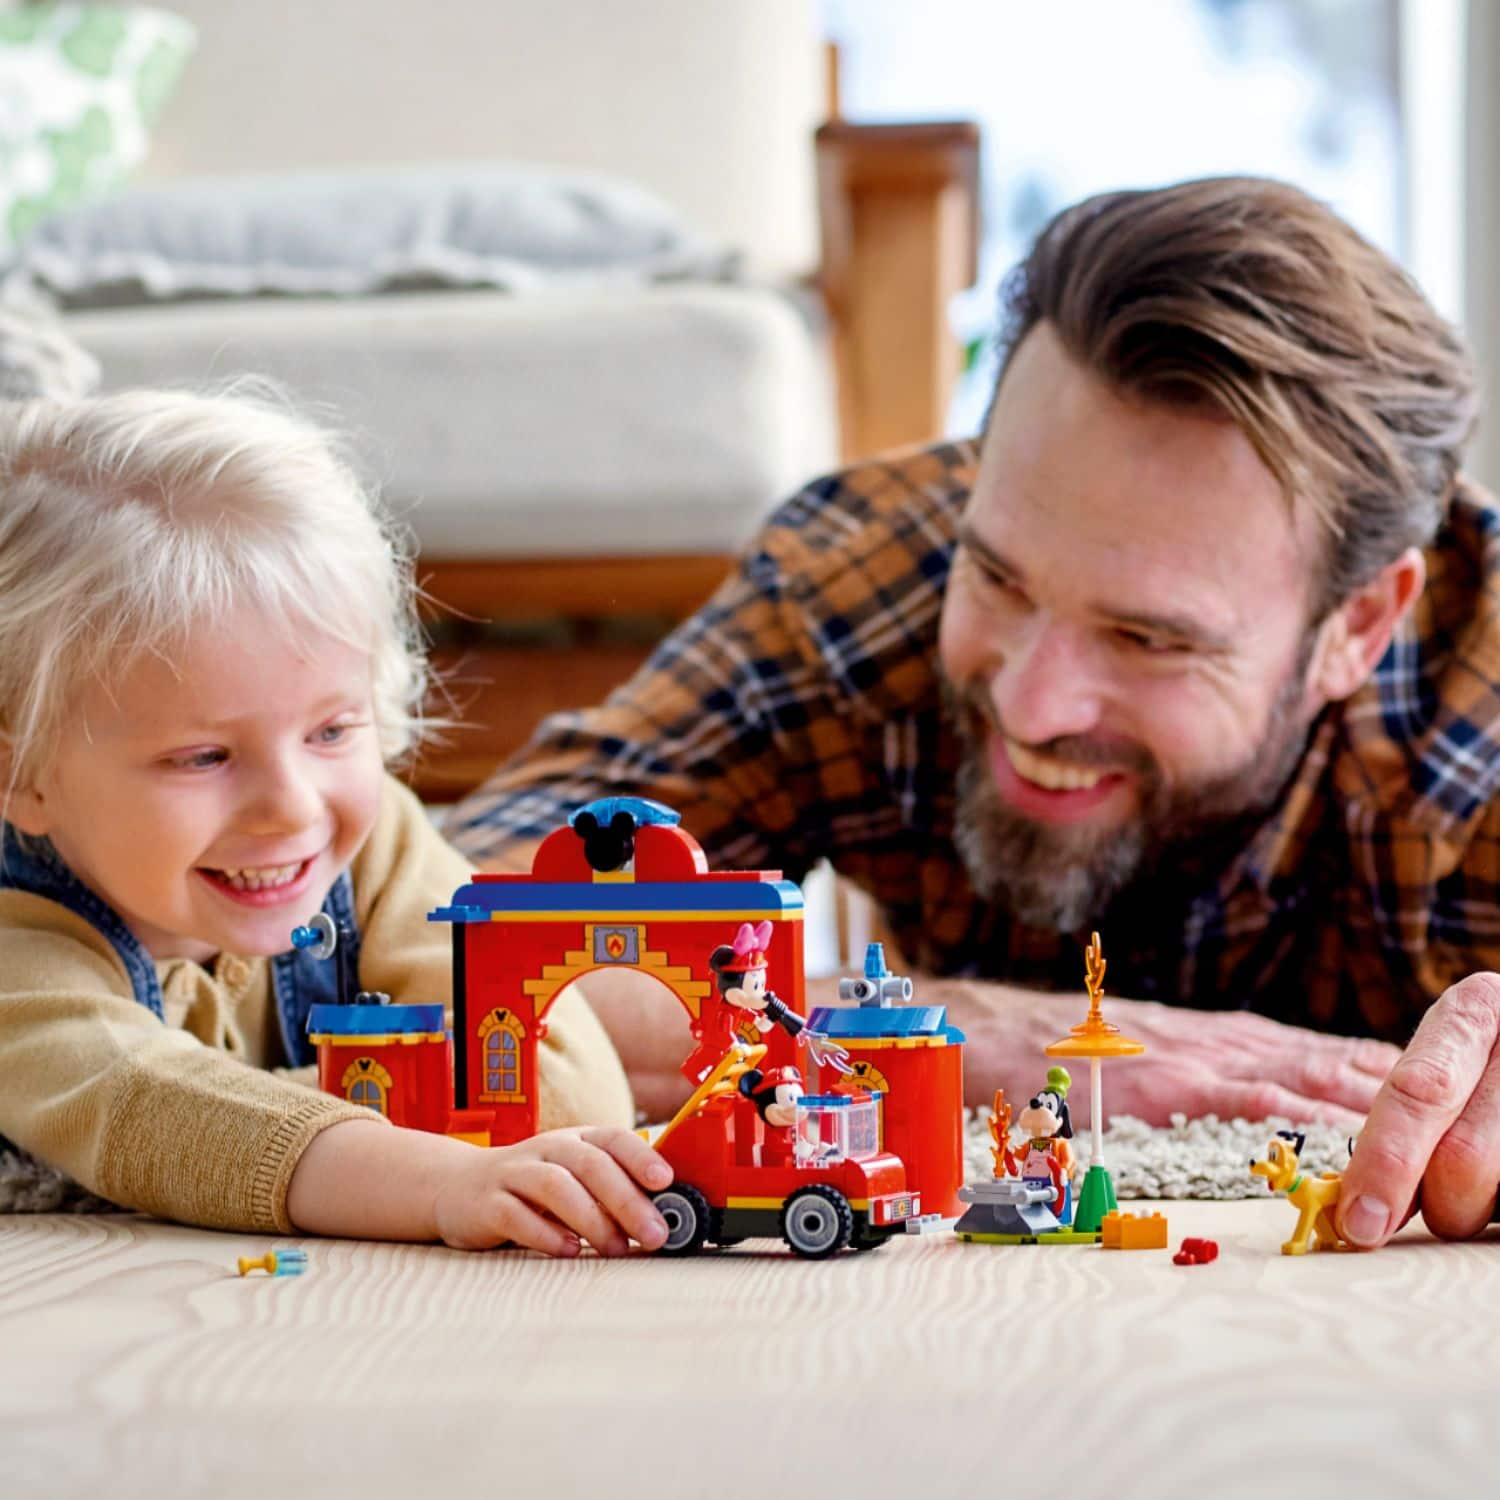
x,y
828,1187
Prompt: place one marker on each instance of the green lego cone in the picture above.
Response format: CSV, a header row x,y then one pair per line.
x,y
1095,1199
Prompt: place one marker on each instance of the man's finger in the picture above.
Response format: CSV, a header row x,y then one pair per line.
x,y
1425,1093
1459,1185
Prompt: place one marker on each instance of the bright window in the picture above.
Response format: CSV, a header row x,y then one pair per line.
x,y
1081,96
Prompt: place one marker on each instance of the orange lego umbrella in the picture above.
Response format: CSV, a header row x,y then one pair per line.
x,y
1095,1038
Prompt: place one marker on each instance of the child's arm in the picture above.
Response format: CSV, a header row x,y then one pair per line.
x,y
404,870
548,1193
139,1112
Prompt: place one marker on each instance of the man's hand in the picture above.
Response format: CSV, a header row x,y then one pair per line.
x,y
1238,1065
1434,1127
1227,1063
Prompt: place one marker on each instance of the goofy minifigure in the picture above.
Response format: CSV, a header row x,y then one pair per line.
x,y
1046,1159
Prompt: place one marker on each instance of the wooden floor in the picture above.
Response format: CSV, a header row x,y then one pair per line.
x,y
134,1362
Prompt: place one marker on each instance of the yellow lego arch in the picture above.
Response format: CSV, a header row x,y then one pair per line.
x,y
555,978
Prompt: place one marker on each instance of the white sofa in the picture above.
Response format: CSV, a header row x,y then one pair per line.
x,y
659,419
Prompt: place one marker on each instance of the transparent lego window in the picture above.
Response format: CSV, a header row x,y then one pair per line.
x,y
829,1131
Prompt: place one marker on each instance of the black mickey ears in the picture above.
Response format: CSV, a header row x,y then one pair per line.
x,y
608,848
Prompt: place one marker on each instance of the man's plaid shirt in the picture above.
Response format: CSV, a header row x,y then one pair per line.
x,y
798,715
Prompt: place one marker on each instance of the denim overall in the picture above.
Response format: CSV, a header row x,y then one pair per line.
x,y
298,981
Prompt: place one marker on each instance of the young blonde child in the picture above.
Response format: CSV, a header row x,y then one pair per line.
x,y
208,661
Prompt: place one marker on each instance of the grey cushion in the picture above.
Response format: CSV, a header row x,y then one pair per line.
x,y
660,419
359,231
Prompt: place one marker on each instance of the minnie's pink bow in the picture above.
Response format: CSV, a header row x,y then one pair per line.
x,y
752,939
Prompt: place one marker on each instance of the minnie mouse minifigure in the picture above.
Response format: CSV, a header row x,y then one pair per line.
x,y
740,974
740,971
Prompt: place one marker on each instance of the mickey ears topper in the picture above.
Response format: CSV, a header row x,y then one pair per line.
x,y
750,944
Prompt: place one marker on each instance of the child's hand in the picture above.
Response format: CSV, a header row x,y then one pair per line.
x,y
553,1191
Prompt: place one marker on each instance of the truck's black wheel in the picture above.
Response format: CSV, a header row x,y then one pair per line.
x,y
686,1211
817,1222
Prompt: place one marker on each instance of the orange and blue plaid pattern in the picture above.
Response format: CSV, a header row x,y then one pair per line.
x,y
798,716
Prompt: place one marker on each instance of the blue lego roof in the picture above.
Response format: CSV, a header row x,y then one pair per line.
x,y
375,1020
866,1021
837,1101
621,899
645,812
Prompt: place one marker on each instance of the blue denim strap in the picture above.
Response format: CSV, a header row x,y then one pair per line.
x,y
299,981
35,866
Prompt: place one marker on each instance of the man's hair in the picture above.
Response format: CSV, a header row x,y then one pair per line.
x,y
1248,297
129,521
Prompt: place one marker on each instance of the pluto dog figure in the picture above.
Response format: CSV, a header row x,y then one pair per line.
x,y
1314,1197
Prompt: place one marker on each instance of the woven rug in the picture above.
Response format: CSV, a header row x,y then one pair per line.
x,y
1207,1158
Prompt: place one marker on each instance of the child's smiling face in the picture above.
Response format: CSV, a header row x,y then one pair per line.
x,y
252,758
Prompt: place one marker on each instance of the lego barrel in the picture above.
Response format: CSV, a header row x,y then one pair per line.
x,y
915,1060
394,1059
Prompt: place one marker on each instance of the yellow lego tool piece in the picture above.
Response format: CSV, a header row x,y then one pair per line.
x,y
292,1262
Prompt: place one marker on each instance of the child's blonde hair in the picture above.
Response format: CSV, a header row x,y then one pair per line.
x,y
129,520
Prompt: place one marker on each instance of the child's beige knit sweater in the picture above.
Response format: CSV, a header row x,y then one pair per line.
x,y
182,1120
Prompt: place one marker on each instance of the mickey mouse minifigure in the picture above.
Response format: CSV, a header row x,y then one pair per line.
x,y
775,1095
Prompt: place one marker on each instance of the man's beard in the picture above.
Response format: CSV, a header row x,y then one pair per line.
x,y
1063,878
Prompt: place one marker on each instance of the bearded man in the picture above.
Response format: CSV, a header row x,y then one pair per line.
x,y
1197,646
